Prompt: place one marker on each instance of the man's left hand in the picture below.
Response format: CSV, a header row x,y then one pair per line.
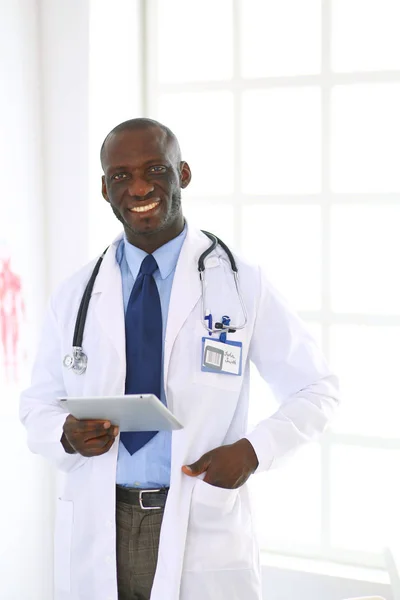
x,y
227,466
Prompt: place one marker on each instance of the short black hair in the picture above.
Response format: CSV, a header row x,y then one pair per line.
x,y
141,123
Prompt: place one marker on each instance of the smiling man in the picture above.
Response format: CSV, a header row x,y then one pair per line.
x,y
155,514
143,176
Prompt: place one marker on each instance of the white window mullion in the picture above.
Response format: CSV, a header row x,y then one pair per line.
x,y
237,198
325,252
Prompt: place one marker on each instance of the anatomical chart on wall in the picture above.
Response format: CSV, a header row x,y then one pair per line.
x,y
12,319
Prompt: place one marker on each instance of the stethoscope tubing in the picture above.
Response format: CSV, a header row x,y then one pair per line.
x,y
84,305
201,267
79,358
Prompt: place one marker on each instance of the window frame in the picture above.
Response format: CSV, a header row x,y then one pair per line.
x,y
326,199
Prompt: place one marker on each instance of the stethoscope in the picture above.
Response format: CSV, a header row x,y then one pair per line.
x,y
77,361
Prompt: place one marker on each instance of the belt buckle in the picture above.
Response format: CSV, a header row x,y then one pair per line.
x,y
141,499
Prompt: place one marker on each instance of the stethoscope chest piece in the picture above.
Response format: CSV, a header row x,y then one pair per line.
x,y
77,362
68,361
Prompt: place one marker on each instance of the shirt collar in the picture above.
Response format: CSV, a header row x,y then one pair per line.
x,y
166,256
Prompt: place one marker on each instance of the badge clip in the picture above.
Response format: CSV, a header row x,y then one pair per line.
x,y
225,322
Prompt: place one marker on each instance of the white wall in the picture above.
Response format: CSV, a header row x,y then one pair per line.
x,y
43,228
25,549
44,165
65,57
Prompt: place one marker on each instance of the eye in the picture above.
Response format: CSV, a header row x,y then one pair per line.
x,y
158,169
119,177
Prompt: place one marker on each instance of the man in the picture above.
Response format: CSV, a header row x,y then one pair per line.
x,y
193,538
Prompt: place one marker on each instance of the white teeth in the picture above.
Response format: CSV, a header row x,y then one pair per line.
x,y
144,208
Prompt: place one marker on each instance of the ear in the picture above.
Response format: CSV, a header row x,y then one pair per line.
x,y
186,174
104,188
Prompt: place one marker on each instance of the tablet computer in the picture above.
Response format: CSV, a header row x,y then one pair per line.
x,y
137,412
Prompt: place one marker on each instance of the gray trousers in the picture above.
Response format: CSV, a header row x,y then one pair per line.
x,y
138,535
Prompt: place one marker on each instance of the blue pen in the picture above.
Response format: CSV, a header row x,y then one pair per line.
x,y
208,318
225,322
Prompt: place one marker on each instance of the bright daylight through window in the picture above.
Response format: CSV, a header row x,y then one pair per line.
x,y
288,114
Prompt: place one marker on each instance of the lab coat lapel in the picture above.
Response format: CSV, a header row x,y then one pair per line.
x,y
186,290
109,306
185,293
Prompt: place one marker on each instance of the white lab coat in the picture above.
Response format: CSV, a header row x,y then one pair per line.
x,y
207,546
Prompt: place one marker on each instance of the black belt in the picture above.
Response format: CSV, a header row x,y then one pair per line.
x,y
146,499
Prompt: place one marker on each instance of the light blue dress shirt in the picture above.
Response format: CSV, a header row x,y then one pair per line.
x,y
149,467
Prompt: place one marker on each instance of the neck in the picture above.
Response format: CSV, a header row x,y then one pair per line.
x,y
149,242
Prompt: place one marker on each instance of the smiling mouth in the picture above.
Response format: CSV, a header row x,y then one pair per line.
x,y
146,208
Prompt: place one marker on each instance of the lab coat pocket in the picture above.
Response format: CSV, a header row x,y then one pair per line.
x,y
219,533
62,545
218,381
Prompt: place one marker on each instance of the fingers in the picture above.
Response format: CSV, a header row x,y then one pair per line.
x,y
88,428
198,467
88,433
92,427
211,481
187,470
90,437
220,482
226,467
97,446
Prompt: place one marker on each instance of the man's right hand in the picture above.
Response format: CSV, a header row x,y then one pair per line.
x,y
88,437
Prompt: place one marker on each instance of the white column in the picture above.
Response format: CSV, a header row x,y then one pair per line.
x,y
26,480
65,70
46,163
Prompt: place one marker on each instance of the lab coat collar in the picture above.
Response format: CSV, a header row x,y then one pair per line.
x,y
109,307
186,290
185,293
194,244
108,266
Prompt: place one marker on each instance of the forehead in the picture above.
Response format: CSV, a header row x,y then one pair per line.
x,y
137,146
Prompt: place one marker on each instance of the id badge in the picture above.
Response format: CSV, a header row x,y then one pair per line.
x,y
221,357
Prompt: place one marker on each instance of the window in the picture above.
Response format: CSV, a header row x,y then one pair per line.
x,y
288,115
114,96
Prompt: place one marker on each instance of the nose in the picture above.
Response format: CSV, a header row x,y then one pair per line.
x,y
140,187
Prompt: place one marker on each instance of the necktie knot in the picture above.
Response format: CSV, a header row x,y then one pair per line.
x,y
149,265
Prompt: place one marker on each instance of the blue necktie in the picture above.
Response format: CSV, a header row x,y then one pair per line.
x,y
143,334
